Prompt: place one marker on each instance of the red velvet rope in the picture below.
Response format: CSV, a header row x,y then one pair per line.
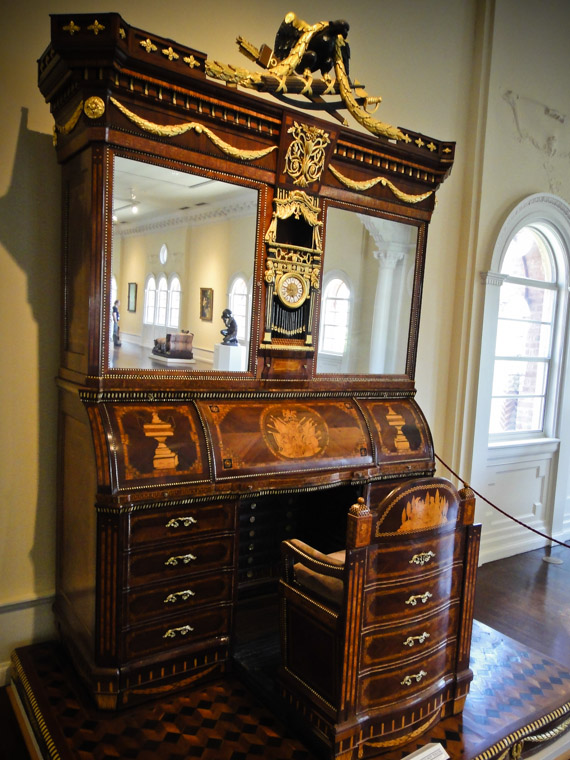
x,y
490,503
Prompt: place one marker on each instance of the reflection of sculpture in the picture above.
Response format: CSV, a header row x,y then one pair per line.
x,y
230,333
174,345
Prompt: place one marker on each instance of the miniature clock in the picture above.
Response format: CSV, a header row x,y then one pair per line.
x,y
292,290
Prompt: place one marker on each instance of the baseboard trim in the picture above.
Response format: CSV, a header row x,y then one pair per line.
x,y
27,621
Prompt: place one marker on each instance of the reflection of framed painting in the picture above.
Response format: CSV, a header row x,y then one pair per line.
x,y
132,297
206,304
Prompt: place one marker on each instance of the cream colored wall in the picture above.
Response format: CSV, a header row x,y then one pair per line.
x,y
432,62
215,253
139,258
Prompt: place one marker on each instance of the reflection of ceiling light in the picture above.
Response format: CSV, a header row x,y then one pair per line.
x,y
115,218
134,209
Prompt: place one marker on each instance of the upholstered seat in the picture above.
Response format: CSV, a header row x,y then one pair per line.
x,y
324,586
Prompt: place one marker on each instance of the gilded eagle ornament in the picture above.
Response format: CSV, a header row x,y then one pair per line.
x,y
301,49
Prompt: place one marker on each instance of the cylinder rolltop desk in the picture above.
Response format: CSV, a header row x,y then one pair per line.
x,y
182,470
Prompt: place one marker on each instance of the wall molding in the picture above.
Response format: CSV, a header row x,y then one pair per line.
x,y
23,622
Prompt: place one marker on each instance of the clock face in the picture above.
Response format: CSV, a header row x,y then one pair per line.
x,y
292,290
163,254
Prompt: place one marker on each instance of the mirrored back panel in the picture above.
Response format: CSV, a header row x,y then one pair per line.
x,y
366,294
218,240
183,252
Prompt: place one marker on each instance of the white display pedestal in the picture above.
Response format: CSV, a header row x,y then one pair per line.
x,y
230,358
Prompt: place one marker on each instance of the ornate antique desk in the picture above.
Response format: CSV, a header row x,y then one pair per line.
x,y
178,484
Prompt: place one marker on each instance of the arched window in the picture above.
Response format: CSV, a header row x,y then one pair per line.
x,y
522,425
238,304
174,302
114,290
335,305
526,332
161,301
149,300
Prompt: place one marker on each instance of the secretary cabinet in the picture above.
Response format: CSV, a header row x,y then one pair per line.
x,y
182,472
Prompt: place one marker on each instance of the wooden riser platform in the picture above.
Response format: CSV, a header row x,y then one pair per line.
x,y
517,695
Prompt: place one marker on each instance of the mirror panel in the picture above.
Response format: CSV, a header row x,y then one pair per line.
x,y
183,250
366,294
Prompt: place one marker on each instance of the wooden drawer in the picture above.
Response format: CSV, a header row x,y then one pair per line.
x,y
409,599
406,679
395,559
176,524
183,559
187,629
178,596
419,635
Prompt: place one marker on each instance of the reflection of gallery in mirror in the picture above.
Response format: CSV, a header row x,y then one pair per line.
x,y
188,229
261,404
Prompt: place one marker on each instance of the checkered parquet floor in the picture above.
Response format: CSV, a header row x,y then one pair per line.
x,y
514,692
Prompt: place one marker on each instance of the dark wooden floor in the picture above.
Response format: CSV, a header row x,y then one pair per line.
x,y
523,597
529,600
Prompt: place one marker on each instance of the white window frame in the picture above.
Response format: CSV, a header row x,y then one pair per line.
x,y
147,320
550,359
336,274
551,217
172,280
243,328
161,294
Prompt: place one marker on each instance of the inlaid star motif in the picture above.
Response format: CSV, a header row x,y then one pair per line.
x,y
96,27
71,28
170,54
191,61
149,46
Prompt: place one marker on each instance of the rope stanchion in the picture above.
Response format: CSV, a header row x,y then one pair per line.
x,y
502,511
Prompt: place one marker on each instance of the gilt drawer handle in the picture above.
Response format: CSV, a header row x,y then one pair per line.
x,y
186,522
417,677
183,631
185,558
184,595
409,642
422,559
413,600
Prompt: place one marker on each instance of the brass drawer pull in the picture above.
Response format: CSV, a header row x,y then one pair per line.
x,y
186,522
409,642
422,559
184,595
185,558
413,600
417,677
183,631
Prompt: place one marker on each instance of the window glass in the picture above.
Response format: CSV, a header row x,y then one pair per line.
x,y
174,303
149,301
525,331
238,305
528,256
336,312
161,302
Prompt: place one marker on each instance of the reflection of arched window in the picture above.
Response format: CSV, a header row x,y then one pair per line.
x,y
335,317
161,301
174,302
526,332
238,302
114,290
149,300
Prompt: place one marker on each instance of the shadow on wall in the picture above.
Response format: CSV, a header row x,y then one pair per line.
x,y
30,214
